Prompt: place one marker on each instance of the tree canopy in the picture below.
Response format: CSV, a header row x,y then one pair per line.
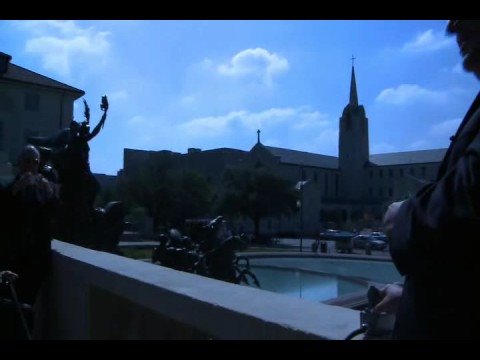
x,y
257,194
170,194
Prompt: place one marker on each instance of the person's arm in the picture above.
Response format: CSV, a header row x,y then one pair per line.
x,y
391,295
418,226
96,130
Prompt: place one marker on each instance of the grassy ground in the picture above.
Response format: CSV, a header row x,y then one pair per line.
x,y
137,253
147,253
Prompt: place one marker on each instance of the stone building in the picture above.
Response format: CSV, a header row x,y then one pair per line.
x,y
349,191
30,104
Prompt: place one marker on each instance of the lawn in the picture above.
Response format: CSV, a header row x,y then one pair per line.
x,y
134,253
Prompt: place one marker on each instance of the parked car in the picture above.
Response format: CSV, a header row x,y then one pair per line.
x,y
380,236
375,243
328,234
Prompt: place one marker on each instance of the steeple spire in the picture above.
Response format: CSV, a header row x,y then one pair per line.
x,y
353,87
258,136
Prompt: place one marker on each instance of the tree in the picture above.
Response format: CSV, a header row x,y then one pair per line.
x,y
257,194
169,195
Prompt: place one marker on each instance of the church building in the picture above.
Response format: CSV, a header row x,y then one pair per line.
x,y
350,191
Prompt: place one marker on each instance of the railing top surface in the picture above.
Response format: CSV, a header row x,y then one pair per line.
x,y
140,282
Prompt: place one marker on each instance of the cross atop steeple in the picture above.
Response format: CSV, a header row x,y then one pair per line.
x,y
258,136
353,60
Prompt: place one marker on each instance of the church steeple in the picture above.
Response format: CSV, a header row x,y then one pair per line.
x,y
353,149
353,88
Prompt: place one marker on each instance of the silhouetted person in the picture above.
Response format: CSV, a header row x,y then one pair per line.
x,y
434,234
28,202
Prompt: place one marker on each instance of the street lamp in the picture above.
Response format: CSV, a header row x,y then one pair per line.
x,y
299,187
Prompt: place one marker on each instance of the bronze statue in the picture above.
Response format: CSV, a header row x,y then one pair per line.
x,y
210,252
78,221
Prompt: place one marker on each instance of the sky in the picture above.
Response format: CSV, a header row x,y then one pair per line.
x,y
174,85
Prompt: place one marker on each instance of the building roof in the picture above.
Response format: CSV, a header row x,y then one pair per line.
x,y
408,157
19,74
304,158
224,149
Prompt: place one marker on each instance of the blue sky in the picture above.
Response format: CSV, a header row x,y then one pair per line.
x,y
208,84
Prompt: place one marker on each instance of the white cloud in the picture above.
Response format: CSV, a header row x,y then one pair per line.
x,y
437,135
60,43
42,27
407,93
211,125
382,147
428,41
311,119
328,135
419,145
446,128
218,125
325,142
268,117
257,62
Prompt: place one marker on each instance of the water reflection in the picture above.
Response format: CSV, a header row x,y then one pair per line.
x,y
306,284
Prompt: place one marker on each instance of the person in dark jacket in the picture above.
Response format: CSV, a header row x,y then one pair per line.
x,y
25,249
434,234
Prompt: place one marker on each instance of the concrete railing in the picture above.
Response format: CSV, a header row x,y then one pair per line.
x,y
96,295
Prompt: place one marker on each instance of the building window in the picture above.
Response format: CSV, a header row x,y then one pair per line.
x,y
315,176
32,102
380,192
380,173
390,172
424,171
390,192
401,172
371,174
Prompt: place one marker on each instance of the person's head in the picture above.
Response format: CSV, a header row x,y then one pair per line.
x,y
468,39
29,160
